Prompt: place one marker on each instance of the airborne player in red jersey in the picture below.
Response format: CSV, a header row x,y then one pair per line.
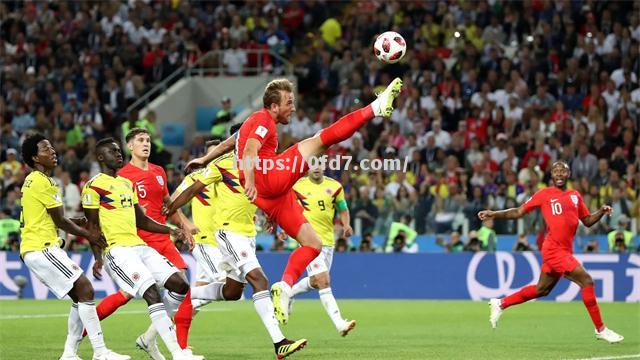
x,y
271,189
561,210
150,184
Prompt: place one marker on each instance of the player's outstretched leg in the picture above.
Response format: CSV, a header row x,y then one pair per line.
x,y
346,126
546,283
580,276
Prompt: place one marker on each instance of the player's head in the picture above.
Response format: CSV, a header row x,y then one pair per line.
x,y
278,99
37,150
316,172
139,143
560,173
108,154
234,129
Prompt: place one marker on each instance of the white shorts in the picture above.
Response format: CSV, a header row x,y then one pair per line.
x,y
322,263
54,269
136,268
238,254
208,258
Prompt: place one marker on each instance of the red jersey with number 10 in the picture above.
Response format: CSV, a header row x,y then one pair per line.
x,y
561,211
151,187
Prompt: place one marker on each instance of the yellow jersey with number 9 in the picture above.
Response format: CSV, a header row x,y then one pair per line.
x,y
38,231
319,202
114,198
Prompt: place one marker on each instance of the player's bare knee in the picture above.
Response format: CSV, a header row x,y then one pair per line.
x,y
152,295
83,289
543,290
587,281
177,284
258,280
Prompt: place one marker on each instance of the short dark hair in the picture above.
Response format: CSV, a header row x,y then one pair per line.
x,y
235,128
103,142
30,148
134,132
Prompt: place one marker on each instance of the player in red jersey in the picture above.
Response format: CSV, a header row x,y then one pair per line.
x,y
271,189
561,210
150,184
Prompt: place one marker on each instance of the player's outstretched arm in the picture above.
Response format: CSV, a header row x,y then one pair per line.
x,y
248,164
182,199
65,224
146,223
513,213
213,153
595,216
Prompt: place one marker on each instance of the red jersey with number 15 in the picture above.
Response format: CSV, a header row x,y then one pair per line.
x,y
151,187
561,211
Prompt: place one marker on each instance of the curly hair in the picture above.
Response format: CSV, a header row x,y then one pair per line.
x,y
30,148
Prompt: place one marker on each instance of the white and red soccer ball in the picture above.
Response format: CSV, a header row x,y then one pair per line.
x,y
389,47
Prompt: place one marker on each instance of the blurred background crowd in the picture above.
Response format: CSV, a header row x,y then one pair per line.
x,y
494,92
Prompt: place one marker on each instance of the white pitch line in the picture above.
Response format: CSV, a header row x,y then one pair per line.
x,y
124,312
613,357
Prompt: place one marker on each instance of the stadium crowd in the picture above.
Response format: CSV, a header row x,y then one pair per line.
x,y
494,93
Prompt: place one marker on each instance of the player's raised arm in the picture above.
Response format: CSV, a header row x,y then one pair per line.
x,y
513,213
178,201
213,152
595,216
146,223
249,157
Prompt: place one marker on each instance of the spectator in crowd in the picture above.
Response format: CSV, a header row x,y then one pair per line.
x,y
592,246
522,244
620,239
487,236
223,117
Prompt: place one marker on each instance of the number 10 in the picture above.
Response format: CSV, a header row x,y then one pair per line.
x,y
556,208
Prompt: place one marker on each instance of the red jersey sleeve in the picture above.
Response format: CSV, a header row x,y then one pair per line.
x,y
583,210
260,128
534,202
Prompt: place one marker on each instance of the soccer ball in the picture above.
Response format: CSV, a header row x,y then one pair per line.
x,y
390,47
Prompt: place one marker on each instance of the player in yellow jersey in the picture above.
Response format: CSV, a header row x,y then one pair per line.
x,y
205,250
321,197
235,234
41,217
111,207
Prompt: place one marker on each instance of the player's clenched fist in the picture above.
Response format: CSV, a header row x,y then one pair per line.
x,y
606,209
485,214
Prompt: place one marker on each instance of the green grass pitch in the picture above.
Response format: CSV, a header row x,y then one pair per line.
x,y
391,329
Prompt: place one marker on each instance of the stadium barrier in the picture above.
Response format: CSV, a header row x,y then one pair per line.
x,y
463,276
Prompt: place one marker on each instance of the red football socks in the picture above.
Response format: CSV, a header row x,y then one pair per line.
x,y
589,300
109,305
183,320
298,261
346,126
525,294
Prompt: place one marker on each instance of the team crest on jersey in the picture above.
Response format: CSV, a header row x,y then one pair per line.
x,y
243,254
328,191
160,180
135,276
75,267
574,199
